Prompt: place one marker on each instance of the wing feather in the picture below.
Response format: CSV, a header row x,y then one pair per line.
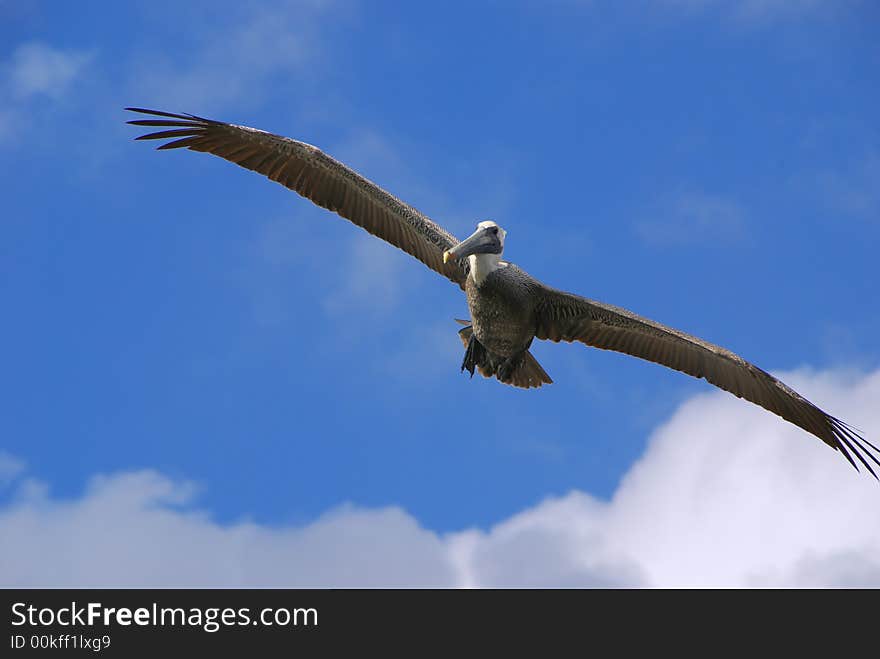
x,y
316,176
566,317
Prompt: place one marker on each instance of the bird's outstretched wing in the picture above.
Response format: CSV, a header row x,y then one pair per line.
x,y
316,176
567,317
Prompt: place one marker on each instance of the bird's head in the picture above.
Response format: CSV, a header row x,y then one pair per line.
x,y
487,239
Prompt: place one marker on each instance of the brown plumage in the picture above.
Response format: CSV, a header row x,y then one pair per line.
x,y
316,176
509,308
566,317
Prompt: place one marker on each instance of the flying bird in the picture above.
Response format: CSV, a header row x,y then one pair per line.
x,y
509,308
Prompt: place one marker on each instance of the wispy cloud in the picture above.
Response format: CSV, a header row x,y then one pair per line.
x,y
370,277
725,495
419,353
855,189
36,72
693,218
10,468
356,272
370,273
352,271
235,59
37,69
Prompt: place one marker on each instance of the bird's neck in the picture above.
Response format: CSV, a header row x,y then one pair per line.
x,y
484,264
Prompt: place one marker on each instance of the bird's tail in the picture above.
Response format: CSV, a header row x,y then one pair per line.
x,y
526,373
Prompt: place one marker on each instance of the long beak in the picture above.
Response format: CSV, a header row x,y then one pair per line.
x,y
476,243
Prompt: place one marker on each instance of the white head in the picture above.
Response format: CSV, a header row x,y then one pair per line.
x,y
483,249
487,239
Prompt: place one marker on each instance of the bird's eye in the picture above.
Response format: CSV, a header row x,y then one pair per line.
x,y
495,230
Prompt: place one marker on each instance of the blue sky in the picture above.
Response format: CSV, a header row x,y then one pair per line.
x,y
712,165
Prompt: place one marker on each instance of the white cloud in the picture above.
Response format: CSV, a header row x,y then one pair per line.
x,y
39,69
725,495
128,529
235,59
35,71
10,468
371,277
420,353
693,217
359,273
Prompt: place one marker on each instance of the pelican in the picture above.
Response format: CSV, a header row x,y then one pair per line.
x,y
509,308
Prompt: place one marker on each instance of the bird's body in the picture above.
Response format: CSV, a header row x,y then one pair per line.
x,y
508,307
502,306
502,310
